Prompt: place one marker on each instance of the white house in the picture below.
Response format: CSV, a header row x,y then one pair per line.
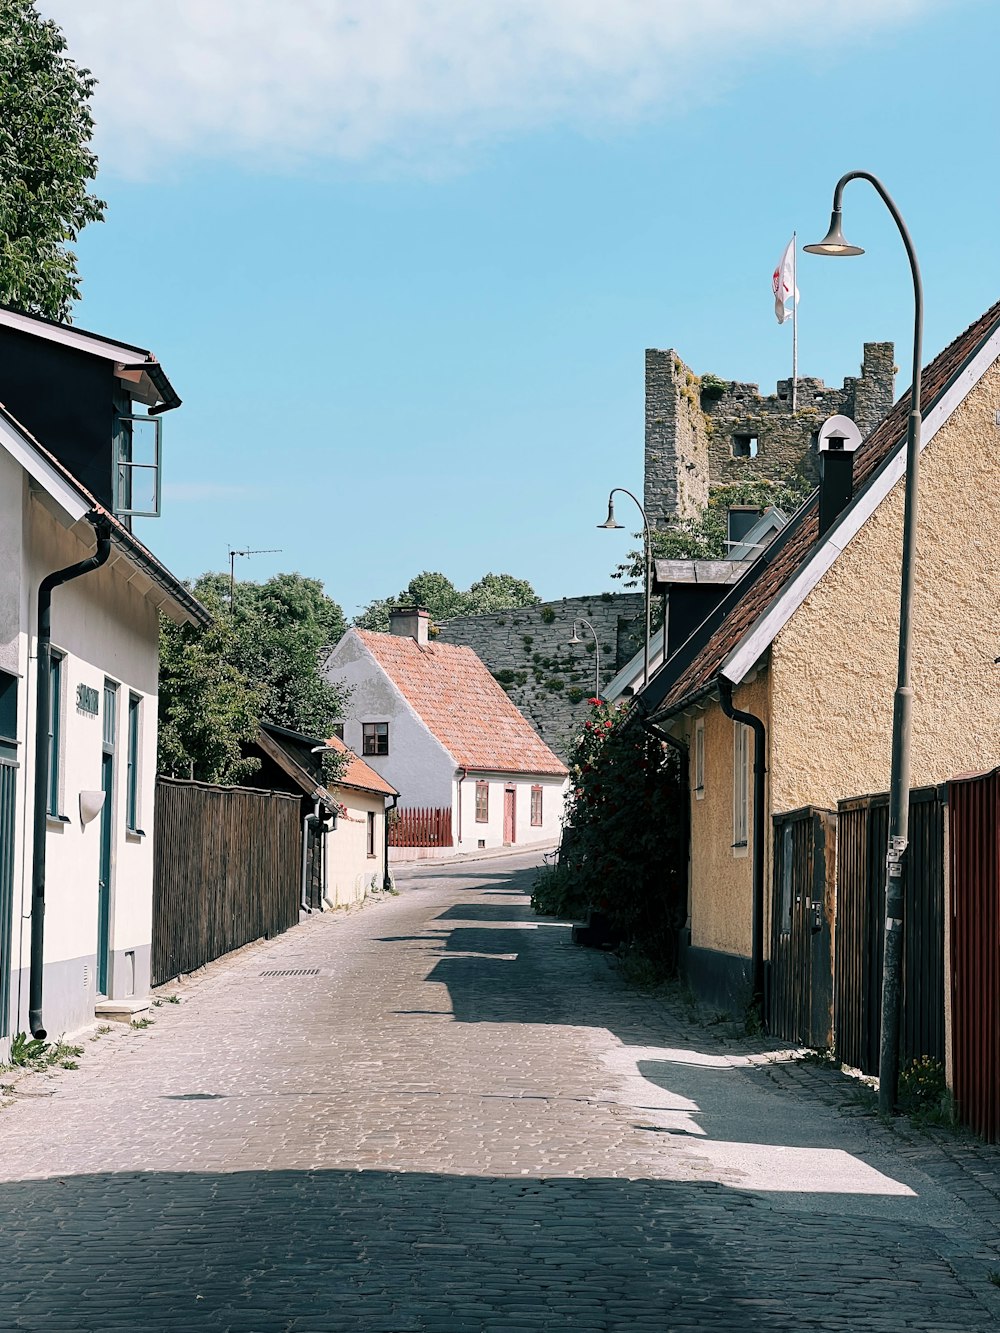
x,y
358,847
80,595
431,719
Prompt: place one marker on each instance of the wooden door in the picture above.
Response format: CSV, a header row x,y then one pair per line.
x,y
509,816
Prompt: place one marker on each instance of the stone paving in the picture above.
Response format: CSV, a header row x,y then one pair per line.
x,y
435,1115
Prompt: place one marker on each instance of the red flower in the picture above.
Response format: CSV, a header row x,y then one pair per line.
x,y
608,723
595,703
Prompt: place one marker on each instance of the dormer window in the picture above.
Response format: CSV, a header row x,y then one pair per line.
x,y
137,444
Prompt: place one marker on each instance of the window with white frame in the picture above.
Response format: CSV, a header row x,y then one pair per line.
x,y
132,759
741,785
699,759
55,733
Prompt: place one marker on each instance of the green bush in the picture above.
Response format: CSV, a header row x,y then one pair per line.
x,y
556,892
923,1091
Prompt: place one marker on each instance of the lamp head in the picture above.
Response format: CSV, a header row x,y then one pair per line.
x,y
610,520
834,242
576,638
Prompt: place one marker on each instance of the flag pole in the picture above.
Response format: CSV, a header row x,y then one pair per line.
x,y
795,331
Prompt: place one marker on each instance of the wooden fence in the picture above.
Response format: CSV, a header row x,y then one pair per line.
x,y
862,840
420,826
800,1002
227,867
974,829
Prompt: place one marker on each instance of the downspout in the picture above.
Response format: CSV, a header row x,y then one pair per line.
x,y
759,774
463,773
307,820
43,698
385,842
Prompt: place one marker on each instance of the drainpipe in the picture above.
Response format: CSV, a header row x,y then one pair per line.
x,y
759,773
43,696
385,842
308,819
463,773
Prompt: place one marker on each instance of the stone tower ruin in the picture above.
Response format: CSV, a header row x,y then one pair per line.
x,y
703,432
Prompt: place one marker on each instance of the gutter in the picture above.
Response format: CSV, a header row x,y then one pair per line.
x,y
385,841
43,703
759,775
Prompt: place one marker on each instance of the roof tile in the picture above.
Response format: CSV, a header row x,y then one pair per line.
x,y
453,693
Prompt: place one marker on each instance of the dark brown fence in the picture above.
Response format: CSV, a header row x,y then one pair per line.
x,y
800,1005
863,830
227,867
420,827
974,821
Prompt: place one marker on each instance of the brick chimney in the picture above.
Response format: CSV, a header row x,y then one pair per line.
x,y
410,621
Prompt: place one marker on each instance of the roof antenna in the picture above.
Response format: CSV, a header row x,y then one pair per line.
x,y
271,550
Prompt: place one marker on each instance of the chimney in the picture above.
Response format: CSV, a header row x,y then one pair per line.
x,y
839,440
411,622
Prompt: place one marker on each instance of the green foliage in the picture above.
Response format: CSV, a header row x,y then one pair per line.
x,y
557,892
923,1092
45,163
260,661
712,386
704,537
436,592
548,615
626,827
26,1051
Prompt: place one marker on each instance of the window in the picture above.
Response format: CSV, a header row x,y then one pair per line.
x,y
8,715
699,759
371,832
482,802
338,730
138,446
744,446
375,737
741,768
132,779
740,519
55,729
536,807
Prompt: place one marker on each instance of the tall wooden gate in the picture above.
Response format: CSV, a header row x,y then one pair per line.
x,y
863,831
801,991
974,828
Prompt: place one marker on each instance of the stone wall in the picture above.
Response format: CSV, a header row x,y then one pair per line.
x,y
702,431
548,678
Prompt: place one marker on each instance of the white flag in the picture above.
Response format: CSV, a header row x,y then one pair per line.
x,y
783,281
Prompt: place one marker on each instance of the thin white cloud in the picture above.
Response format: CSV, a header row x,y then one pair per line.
x,y
287,81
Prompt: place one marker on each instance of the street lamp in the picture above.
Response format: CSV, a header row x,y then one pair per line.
x,y
597,653
833,243
611,524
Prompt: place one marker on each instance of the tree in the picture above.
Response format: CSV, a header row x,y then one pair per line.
x,y
624,850
435,591
259,662
704,537
45,163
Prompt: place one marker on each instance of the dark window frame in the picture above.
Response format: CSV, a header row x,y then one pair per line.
x,y
371,834
56,660
132,764
374,739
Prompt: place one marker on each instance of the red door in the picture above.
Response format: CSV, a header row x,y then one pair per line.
x,y
509,809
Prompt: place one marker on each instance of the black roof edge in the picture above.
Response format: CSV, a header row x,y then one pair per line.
x,y
293,735
160,575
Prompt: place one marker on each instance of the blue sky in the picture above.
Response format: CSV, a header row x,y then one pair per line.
x,y
401,258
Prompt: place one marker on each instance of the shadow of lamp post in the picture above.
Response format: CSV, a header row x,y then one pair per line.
x,y
597,652
611,524
899,783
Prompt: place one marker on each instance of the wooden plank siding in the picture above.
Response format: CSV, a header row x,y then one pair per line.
x,y
800,1005
227,866
862,840
974,838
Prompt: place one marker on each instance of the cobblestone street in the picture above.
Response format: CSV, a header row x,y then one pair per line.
x,y
435,1115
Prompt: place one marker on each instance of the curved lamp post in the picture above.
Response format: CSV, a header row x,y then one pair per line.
x,y
611,524
899,783
597,652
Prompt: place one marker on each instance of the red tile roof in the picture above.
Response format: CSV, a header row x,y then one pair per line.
x,y
455,696
693,668
358,774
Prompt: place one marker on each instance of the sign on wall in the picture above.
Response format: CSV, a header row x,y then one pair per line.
x,y
87,700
